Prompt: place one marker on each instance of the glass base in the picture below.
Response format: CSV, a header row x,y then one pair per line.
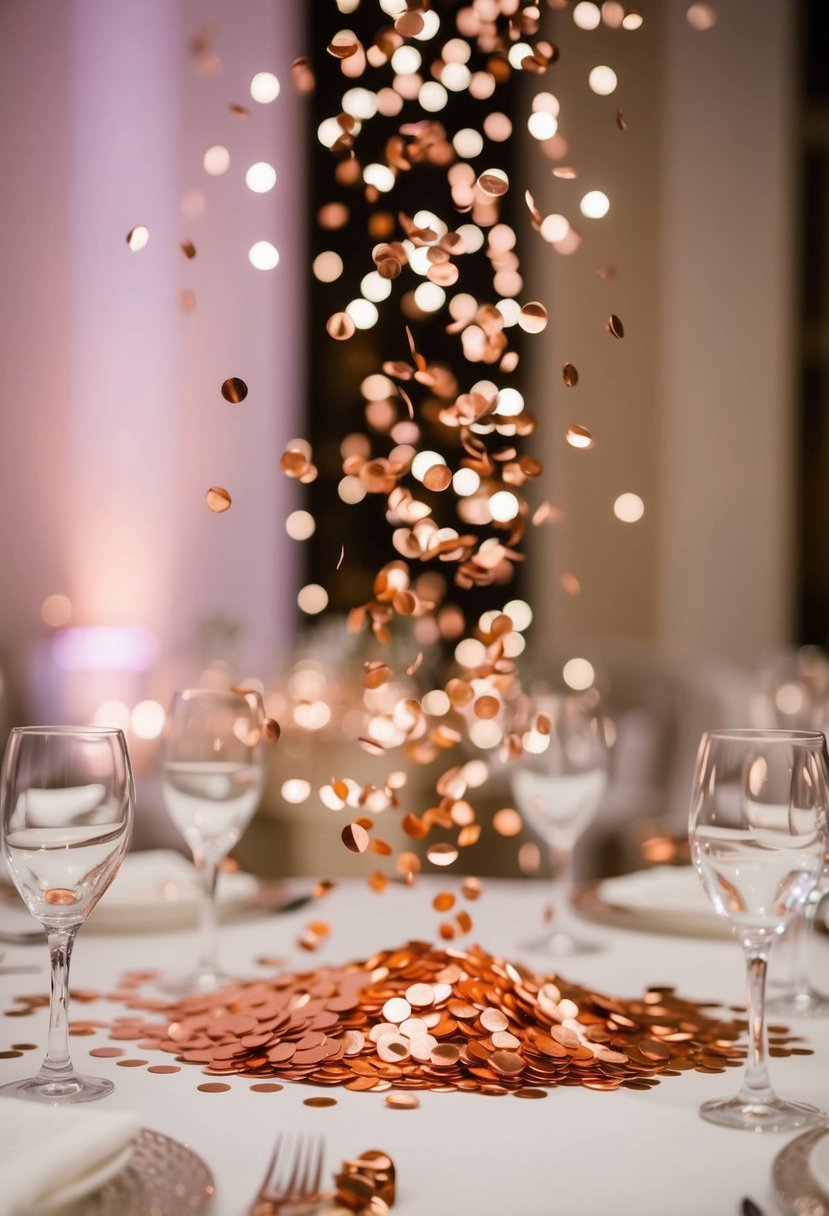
x,y
558,943
772,1116
808,1004
73,1088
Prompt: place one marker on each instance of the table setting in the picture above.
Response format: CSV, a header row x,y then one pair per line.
x,y
183,1034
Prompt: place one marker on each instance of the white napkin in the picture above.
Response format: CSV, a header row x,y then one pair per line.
x,y
660,889
47,1147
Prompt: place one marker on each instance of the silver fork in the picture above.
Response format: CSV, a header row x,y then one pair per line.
x,y
292,1178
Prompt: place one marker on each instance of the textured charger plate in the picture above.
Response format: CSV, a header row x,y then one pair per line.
x,y
163,1178
796,1190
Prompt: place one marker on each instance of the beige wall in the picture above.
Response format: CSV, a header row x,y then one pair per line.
x,y
113,423
694,410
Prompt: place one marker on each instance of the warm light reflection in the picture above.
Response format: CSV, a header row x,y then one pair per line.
x,y
300,525
295,790
147,720
312,599
216,160
114,714
594,205
327,266
629,508
578,674
56,610
260,177
264,87
263,255
587,16
602,80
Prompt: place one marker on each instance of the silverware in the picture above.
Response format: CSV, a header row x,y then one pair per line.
x,y
292,1178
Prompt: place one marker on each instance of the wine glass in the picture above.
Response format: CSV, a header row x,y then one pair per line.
x,y
67,805
560,796
212,777
758,835
791,689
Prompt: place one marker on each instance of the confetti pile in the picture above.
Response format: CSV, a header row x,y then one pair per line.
x,y
421,1018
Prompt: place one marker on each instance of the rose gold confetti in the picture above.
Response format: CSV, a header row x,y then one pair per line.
x,y
106,1052
580,437
138,237
271,730
444,901
355,838
218,499
442,854
61,896
525,1092
213,1087
621,121
471,888
533,318
340,326
239,111
402,1101
494,182
615,326
163,1069
234,390
266,1087
319,1102
131,1063
570,375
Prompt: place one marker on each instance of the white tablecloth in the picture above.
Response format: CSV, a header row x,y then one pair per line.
x,y
579,1151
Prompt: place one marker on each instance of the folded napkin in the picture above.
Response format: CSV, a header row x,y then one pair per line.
x,y
46,1148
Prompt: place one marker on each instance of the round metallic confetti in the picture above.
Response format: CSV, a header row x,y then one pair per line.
x,y
266,1087
213,1087
340,326
105,1053
131,1063
188,249
234,390
163,1069
10,1055
355,838
615,326
218,499
319,1102
525,1092
138,237
570,375
580,437
402,1101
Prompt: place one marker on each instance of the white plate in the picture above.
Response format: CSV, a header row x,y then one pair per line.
x,y
819,1163
666,898
159,889
85,1184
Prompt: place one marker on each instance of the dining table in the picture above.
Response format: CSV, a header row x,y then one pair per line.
x,y
579,1151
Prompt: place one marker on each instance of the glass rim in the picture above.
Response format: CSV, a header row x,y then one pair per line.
x,y
228,694
95,732
750,734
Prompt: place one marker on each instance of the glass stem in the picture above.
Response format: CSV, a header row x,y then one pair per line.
x,y
756,1087
57,1063
209,869
561,865
801,932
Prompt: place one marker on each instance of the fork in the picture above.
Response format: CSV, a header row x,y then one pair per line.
x,y
292,1184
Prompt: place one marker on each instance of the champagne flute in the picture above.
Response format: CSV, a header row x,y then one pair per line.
x,y
758,835
561,796
67,806
211,779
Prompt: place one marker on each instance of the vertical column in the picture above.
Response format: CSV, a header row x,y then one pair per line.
x,y
728,400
